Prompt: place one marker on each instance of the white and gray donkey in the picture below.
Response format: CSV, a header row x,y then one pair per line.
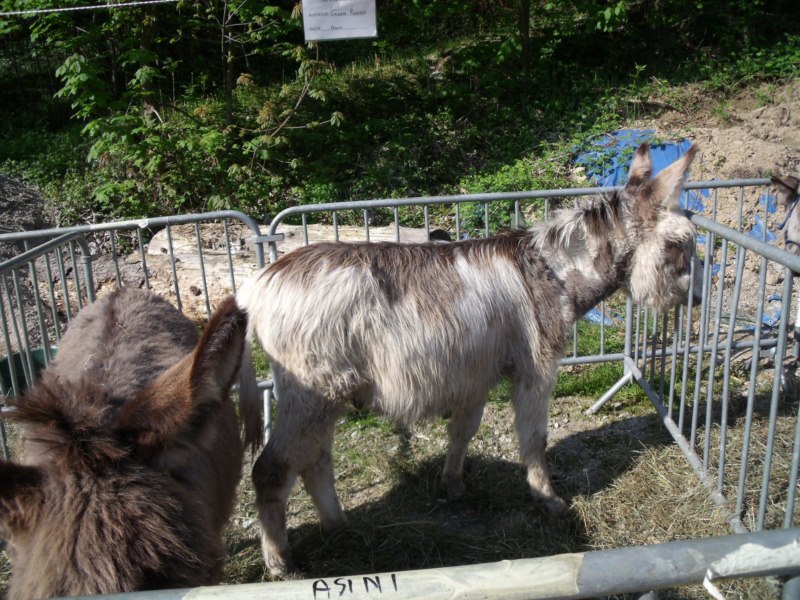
x,y
418,330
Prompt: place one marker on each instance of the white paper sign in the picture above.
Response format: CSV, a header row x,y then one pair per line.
x,y
339,19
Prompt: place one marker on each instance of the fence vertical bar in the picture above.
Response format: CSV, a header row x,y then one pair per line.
x,y
336,226
4,440
712,366
24,341
748,424
636,339
663,371
645,339
64,284
86,261
727,365
140,238
53,310
653,349
700,346
739,219
115,258
15,387
676,342
776,392
199,241
229,251
37,299
171,255
78,295
687,343
603,327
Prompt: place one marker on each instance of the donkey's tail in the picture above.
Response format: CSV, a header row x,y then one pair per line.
x,y
250,406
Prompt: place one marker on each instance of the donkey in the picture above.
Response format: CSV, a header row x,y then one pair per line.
x,y
788,189
420,330
131,453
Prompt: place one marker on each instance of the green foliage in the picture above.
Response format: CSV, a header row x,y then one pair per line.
x,y
214,104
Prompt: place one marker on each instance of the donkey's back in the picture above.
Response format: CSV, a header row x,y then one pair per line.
x,y
131,453
124,341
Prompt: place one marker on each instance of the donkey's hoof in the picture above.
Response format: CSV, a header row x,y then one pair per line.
x,y
452,489
279,567
333,525
555,506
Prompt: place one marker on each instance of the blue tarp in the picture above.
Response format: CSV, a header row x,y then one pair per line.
x,y
608,157
758,233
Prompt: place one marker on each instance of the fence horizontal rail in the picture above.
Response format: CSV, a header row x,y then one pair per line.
x,y
564,576
144,223
491,197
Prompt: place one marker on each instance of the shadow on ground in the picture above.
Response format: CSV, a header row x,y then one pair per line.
x,y
411,527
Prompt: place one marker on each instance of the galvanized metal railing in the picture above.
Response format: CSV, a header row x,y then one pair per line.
x,y
715,347
22,268
577,575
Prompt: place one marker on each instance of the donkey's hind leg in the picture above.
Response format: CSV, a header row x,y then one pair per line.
x,y
531,402
296,445
273,479
462,426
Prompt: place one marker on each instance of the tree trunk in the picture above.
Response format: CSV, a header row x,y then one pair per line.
x,y
524,26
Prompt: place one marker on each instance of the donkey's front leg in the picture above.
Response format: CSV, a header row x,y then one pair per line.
x,y
531,402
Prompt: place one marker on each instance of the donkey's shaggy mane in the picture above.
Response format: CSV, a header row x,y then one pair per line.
x,y
594,219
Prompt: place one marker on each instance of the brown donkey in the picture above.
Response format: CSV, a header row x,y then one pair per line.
x,y
418,330
131,453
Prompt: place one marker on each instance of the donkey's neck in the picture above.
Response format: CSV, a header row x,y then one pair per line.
x,y
590,280
588,252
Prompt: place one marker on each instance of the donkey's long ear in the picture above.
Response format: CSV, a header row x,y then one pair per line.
x,y
187,394
641,168
666,188
219,353
20,496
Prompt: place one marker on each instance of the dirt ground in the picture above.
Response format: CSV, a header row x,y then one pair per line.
x,y
754,134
